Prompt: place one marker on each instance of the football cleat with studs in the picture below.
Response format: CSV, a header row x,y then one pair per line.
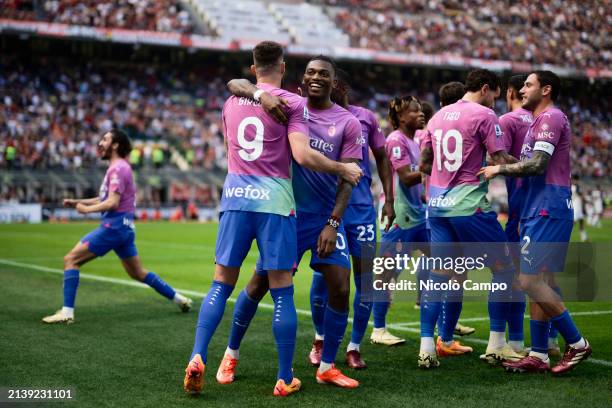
x,y
529,364
227,370
571,358
194,375
58,317
382,336
455,349
496,356
282,390
428,360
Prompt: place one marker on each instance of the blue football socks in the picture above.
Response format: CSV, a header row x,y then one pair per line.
x,y
284,327
211,313
71,283
244,310
159,285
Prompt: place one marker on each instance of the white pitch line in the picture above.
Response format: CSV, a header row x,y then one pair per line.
x,y
482,319
397,326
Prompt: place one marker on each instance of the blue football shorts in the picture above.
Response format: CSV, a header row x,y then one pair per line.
x,y
275,235
543,245
309,227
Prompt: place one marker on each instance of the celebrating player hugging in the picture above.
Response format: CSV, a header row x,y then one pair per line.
x,y
260,152
293,185
299,179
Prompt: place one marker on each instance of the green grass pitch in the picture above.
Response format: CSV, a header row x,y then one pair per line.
x,y
129,346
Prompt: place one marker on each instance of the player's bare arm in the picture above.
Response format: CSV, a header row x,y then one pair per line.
x,y
426,160
327,239
503,157
383,165
109,204
409,175
533,167
308,157
72,202
273,105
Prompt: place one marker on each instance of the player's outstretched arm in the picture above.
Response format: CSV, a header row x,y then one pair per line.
x,y
327,239
383,165
273,105
426,160
535,166
307,157
72,202
110,203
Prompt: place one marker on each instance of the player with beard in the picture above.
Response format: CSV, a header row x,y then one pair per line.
x,y
459,137
514,126
258,204
320,205
546,223
360,226
448,93
117,203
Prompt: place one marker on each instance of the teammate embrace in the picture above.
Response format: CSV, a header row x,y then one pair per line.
x,y
299,180
319,136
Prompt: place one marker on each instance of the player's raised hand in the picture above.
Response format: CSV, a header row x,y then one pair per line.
x,y
327,242
488,172
351,172
387,212
274,106
70,202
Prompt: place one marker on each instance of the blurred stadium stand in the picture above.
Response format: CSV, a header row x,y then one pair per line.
x,y
71,69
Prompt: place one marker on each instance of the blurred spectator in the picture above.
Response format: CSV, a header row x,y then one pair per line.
x,y
152,15
566,33
53,113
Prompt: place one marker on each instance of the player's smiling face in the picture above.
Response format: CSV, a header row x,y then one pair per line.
x,y
412,117
319,79
531,92
105,147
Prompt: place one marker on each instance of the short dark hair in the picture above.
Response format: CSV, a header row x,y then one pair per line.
x,y
327,59
515,83
343,77
451,92
478,78
120,137
428,110
549,78
267,55
397,105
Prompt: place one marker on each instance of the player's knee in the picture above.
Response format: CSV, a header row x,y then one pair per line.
x,y
339,303
256,289
341,291
526,282
70,261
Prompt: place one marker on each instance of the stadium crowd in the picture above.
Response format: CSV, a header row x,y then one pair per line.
x,y
567,33
52,113
472,35
153,15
